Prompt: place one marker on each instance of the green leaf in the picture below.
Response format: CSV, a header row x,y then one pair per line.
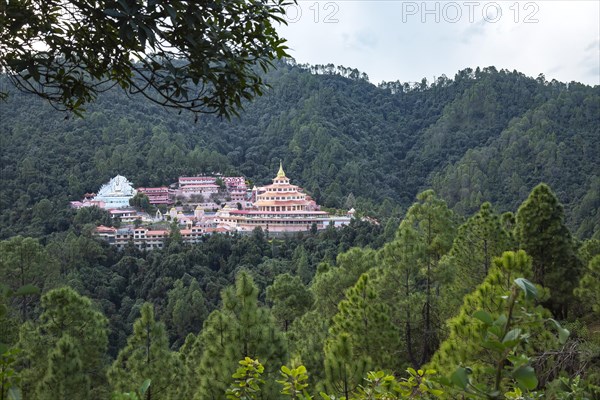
x,y
145,386
528,288
525,375
460,378
563,334
512,337
484,317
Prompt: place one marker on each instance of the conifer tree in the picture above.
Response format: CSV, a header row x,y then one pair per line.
x,y
466,343
344,370
24,261
290,299
65,313
189,355
186,309
411,264
146,356
65,378
238,330
589,285
367,322
306,340
302,265
329,286
478,241
541,232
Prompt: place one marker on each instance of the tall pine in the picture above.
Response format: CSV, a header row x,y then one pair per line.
x,y
64,378
466,343
411,276
542,233
366,320
146,356
241,328
478,241
68,325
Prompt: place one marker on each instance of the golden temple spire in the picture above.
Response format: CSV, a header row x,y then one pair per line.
x,y
281,174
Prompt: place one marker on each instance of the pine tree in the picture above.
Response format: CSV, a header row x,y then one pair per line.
x,y
306,339
64,378
186,309
329,286
24,261
303,270
478,241
146,356
238,330
411,264
541,232
290,299
65,314
367,322
344,370
589,285
465,344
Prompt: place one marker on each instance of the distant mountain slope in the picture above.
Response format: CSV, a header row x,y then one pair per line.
x,y
335,135
557,142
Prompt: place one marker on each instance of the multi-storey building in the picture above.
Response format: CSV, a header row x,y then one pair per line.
x,y
158,195
279,207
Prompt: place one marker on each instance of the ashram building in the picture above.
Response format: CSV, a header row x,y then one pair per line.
x,y
115,194
279,207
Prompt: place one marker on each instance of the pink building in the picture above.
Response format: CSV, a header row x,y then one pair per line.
x,y
279,207
196,180
158,195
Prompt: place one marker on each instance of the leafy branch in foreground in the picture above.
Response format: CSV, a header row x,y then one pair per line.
x,y
504,338
197,56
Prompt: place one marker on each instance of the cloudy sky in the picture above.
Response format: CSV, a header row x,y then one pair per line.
x,y
408,40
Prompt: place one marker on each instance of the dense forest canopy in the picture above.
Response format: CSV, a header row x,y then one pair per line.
x,y
485,135
485,286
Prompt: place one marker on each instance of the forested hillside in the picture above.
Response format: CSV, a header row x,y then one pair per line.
x,y
483,135
440,295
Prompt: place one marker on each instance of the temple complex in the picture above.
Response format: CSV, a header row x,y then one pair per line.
x,y
279,207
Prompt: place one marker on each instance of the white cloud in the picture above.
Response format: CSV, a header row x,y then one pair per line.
x,y
392,40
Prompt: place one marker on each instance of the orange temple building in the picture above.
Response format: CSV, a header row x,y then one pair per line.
x,y
279,207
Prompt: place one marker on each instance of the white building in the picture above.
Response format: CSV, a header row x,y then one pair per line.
x,y
116,193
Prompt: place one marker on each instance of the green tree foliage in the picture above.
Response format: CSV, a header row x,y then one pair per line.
x,y
68,327
382,147
241,328
589,285
412,263
141,202
146,356
246,385
366,320
344,370
25,263
541,232
480,239
186,309
290,299
65,378
329,285
177,54
495,303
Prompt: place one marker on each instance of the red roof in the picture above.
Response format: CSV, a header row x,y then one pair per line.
x,y
159,232
105,229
